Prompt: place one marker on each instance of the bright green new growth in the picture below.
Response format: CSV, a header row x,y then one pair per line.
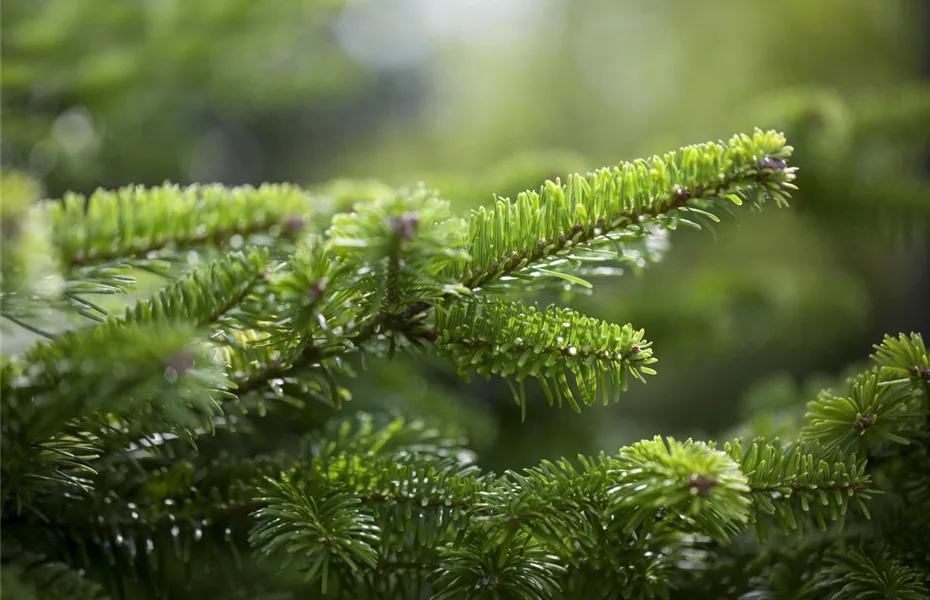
x,y
535,235
268,296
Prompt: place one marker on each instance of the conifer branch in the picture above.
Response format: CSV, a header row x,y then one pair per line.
x,y
793,481
593,517
903,358
524,341
618,203
134,221
853,573
107,381
98,422
869,414
33,575
206,295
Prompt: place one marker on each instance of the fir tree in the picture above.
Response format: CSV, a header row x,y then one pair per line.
x,y
162,446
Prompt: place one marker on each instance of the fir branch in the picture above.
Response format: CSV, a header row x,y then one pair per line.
x,y
693,479
524,341
135,222
520,569
365,504
622,202
357,466
871,412
32,576
121,370
790,482
854,573
148,515
398,246
646,501
323,529
904,358
208,294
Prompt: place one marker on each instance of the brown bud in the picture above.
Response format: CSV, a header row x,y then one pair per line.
x,y
316,289
294,223
701,484
179,363
768,162
920,371
405,225
864,422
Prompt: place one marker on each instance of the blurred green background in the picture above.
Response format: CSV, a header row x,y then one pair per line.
x,y
476,97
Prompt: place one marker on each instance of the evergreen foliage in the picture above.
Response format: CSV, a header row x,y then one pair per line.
x,y
139,445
